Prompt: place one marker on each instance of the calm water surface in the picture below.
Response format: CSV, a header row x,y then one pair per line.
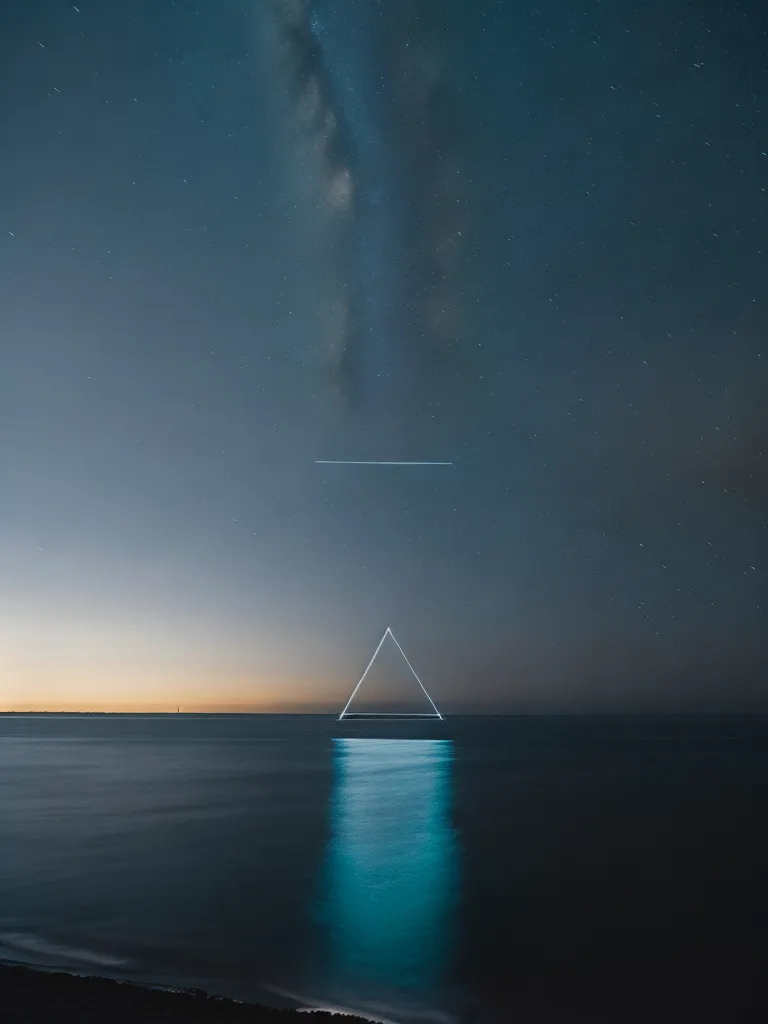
x,y
535,869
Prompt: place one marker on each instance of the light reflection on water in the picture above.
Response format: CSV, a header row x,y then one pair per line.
x,y
388,886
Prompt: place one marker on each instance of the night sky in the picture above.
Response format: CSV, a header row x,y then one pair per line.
x,y
530,239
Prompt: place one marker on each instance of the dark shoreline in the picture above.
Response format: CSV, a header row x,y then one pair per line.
x,y
30,995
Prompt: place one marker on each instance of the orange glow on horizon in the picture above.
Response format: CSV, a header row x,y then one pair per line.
x,y
137,689
134,658
159,708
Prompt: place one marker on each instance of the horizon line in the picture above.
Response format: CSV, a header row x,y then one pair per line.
x,y
459,712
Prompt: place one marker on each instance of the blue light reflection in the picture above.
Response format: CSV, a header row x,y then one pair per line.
x,y
391,868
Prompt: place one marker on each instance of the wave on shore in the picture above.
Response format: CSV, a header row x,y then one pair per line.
x,y
21,947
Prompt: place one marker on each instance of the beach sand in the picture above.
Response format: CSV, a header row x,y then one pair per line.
x,y
29,996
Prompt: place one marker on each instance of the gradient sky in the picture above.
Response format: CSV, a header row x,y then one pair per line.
x,y
165,535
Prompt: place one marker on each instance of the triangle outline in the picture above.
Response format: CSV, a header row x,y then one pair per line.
x,y
388,632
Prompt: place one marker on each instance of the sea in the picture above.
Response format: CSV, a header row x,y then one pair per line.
x,y
510,869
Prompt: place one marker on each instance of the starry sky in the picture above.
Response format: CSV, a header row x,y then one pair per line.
x,y
530,239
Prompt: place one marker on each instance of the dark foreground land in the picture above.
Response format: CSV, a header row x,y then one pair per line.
x,y
39,997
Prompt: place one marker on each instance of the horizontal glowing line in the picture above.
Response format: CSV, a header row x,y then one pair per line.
x,y
392,714
352,462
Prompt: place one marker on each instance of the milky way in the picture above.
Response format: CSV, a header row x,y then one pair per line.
x,y
370,87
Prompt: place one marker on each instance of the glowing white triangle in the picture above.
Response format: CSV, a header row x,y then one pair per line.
x,y
430,714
